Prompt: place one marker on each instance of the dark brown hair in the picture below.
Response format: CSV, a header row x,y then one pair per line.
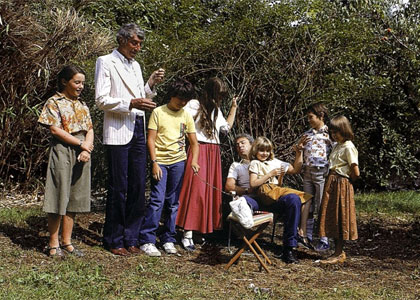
x,y
342,125
210,99
67,74
319,110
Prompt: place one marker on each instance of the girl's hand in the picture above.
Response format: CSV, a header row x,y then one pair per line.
x,y
86,146
235,101
195,167
275,172
156,171
84,156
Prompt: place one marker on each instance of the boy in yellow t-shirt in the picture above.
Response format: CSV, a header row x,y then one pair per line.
x,y
168,126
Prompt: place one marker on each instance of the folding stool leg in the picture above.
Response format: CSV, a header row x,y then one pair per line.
x,y
256,254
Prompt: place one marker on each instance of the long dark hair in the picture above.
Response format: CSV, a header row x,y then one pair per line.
x,y
67,74
210,99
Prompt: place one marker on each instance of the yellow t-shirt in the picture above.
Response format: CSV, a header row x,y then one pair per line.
x,y
172,127
342,157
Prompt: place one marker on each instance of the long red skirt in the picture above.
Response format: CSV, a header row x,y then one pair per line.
x,y
200,205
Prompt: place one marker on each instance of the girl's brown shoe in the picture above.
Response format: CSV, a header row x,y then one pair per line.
x,y
332,260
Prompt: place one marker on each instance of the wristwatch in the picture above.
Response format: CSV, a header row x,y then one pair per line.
x,y
153,161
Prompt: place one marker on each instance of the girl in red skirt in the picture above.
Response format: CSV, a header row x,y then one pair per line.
x,y
338,212
200,205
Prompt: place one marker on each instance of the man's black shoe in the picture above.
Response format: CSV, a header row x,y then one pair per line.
x,y
289,257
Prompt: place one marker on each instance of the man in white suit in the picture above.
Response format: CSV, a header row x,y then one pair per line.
x,y
121,93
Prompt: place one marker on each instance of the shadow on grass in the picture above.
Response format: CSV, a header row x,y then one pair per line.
x,y
34,236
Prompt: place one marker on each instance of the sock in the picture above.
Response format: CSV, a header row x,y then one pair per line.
x,y
309,228
188,234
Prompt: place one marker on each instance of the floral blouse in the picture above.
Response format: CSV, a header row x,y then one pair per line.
x,y
70,115
317,149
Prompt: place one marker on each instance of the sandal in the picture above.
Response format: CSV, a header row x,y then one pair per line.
x,y
57,253
75,251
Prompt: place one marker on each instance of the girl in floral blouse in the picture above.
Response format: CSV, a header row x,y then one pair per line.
x,y
67,189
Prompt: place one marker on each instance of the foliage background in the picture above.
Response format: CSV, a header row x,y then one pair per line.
x,y
360,58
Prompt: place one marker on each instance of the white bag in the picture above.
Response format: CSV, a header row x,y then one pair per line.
x,y
242,212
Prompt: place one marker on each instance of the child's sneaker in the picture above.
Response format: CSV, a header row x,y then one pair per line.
x,y
169,248
322,246
188,244
150,249
304,242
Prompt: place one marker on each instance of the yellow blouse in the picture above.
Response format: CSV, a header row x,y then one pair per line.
x,y
342,157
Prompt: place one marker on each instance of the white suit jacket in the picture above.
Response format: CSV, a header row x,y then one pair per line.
x,y
114,89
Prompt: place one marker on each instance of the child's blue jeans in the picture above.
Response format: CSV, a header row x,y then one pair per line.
x,y
164,195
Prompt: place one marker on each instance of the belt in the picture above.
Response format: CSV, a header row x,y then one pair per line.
x,y
316,167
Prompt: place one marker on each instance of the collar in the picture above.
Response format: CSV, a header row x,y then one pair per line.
x,y
122,57
62,96
244,161
321,130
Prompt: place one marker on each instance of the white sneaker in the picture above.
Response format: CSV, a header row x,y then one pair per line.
x,y
188,244
150,249
169,248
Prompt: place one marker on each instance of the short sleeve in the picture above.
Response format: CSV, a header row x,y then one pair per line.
x,y
153,121
190,123
50,114
233,173
192,107
352,155
254,167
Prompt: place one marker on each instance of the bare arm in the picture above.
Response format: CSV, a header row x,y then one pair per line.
x,y
354,172
297,164
232,113
255,182
231,186
194,150
151,138
64,136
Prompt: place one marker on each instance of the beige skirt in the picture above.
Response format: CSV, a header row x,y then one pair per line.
x,y
338,212
67,188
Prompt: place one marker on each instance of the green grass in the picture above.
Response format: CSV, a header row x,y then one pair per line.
x,y
389,203
25,273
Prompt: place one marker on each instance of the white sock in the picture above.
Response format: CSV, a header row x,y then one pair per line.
x,y
188,234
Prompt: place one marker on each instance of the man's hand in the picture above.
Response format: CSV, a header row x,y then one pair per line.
x,y
142,104
156,77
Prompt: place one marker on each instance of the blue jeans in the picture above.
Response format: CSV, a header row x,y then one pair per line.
x,y
289,207
125,203
164,195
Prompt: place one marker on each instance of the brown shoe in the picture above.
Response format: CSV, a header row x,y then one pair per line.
x,y
332,260
119,251
133,250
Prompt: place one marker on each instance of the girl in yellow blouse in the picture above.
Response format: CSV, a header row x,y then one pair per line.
x,y
338,212
67,189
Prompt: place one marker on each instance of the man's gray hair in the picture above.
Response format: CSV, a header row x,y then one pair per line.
x,y
127,31
244,135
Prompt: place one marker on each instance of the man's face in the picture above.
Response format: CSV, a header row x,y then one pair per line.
x,y
243,146
130,48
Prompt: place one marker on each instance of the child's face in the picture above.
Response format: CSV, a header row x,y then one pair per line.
x,y
177,103
74,87
337,136
262,155
315,121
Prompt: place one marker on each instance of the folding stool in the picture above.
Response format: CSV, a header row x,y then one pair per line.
x,y
249,236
